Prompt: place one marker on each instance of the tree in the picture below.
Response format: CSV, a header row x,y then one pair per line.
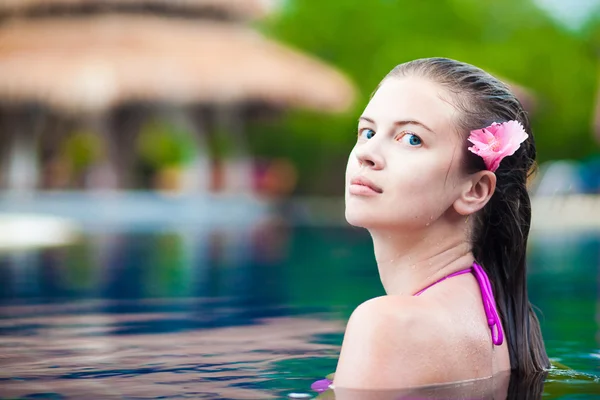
x,y
511,38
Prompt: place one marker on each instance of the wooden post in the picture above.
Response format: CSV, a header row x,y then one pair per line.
x,y
238,163
118,133
104,175
125,126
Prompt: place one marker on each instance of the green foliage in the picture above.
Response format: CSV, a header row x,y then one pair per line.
x,y
162,144
83,148
511,38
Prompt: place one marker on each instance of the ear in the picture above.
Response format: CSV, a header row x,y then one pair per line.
x,y
477,191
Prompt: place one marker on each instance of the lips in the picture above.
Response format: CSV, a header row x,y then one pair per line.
x,y
361,181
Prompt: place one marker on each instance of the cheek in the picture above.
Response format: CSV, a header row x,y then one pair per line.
x,y
351,166
418,173
424,191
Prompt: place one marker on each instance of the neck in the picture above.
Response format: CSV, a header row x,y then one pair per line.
x,y
409,262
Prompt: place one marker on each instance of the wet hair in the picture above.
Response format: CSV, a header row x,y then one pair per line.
x,y
499,230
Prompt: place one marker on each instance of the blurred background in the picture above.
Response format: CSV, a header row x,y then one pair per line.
x,y
172,172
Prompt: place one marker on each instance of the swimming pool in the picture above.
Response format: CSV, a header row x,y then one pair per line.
x,y
238,313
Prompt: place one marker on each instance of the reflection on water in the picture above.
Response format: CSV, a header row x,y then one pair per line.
x,y
91,350
255,312
553,384
496,387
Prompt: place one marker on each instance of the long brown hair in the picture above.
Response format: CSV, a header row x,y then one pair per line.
x,y
501,228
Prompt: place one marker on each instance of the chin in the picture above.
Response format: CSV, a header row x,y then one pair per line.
x,y
364,215
352,216
354,222
360,219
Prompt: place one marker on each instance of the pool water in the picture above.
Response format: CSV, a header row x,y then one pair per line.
x,y
255,312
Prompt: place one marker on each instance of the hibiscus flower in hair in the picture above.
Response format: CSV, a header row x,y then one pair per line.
x,y
497,141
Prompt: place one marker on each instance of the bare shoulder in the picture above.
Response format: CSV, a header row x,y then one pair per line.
x,y
394,341
384,313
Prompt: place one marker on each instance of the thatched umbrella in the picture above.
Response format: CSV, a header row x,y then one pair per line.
x,y
91,64
240,9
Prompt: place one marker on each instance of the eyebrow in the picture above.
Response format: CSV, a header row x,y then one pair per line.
x,y
401,123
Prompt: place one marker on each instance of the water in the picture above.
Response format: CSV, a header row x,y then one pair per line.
x,y
240,313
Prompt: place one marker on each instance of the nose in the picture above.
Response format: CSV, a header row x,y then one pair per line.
x,y
368,155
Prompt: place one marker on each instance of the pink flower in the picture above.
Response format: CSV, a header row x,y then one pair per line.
x,y
497,141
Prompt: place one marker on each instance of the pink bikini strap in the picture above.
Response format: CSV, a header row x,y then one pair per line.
x,y
461,272
489,303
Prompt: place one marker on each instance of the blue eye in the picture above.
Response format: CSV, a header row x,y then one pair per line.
x,y
411,139
366,133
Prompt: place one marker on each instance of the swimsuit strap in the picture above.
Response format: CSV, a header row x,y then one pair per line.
x,y
489,303
461,272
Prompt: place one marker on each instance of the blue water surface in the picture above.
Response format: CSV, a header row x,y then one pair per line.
x,y
256,311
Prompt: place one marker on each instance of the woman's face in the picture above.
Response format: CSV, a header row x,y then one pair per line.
x,y
404,170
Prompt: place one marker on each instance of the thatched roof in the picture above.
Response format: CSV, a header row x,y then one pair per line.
x,y
90,64
237,8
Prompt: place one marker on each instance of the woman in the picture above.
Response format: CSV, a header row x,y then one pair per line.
x,y
438,177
